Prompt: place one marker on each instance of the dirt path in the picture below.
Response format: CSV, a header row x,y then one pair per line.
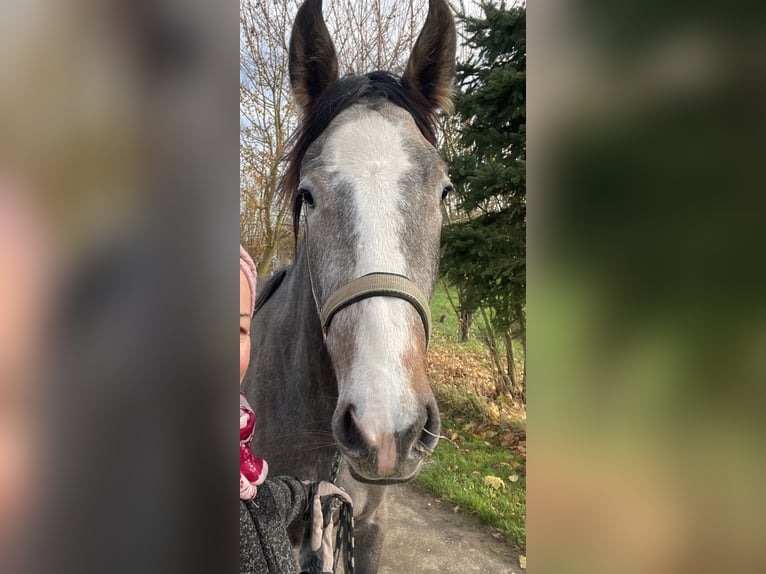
x,y
424,536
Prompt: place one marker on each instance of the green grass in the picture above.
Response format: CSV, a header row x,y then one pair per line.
x,y
458,474
446,332
457,470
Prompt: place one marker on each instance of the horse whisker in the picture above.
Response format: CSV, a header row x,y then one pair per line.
x,y
303,433
321,446
439,436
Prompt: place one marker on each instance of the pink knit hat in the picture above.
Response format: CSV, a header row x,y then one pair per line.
x,y
247,267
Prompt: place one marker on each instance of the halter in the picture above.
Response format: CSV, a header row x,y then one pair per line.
x,y
379,284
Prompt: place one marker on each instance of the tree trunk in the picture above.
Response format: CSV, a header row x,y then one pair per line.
x,y
465,318
517,379
268,254
524,366
523,340
502,382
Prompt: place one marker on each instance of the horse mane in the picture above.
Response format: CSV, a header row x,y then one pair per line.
x,y
382,86
263,295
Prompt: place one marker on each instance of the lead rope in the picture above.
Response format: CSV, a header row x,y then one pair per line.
x,y
345,524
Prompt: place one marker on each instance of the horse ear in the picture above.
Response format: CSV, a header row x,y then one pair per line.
x,y
431,67
313,64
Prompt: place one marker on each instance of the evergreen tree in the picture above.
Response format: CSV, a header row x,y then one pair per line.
x,y
485,252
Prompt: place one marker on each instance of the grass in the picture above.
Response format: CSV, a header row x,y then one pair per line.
x,y
481,468
459,474
446,326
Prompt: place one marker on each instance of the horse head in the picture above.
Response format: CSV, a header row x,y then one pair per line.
x,y
367,182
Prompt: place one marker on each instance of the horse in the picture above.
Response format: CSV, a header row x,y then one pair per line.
x,y
367,184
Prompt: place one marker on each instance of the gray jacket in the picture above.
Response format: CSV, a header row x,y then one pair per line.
x,y
264,547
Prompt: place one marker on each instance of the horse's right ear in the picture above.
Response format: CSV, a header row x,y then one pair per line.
x,y
313,63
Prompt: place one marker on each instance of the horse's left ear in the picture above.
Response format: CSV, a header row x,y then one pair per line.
x,y
313,63
431,67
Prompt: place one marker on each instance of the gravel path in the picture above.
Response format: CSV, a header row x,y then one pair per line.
x,y
424,536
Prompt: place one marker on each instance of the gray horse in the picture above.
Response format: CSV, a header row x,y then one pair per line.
x,y
366,182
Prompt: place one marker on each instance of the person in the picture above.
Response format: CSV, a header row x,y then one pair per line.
x,y
268,506
25,311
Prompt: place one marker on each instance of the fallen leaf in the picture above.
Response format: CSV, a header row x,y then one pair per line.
x,y
523,562
509,439
513,477
494,482
494,412
456,509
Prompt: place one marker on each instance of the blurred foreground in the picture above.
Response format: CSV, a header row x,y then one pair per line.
x,y
647,322
118,199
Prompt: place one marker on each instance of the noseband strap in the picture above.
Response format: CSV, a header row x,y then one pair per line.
x,y
377,285
365,287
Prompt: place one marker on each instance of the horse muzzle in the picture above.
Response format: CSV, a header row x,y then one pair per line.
x,y
386,457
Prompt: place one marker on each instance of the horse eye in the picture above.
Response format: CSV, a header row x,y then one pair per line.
x,y
306,197
447,190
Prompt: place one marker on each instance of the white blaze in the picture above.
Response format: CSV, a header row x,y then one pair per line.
x,y
368,154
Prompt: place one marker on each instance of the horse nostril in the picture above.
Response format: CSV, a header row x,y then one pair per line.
x,y
430,433
348,434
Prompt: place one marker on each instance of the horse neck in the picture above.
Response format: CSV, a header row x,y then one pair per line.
x,y
292,388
